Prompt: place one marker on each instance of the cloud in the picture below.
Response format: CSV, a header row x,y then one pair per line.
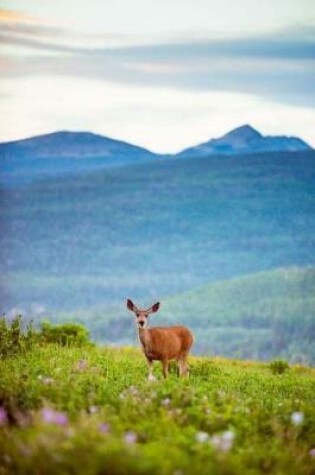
x,y
277,66
11,16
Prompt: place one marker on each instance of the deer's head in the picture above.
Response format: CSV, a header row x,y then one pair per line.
x,y
142,315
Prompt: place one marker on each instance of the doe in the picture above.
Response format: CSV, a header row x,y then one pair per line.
x,y
162,343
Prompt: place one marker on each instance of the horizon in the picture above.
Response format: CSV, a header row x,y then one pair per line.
x,y
162,75
105,136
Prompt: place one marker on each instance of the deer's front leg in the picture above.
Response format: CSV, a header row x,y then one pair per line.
x,y
150,371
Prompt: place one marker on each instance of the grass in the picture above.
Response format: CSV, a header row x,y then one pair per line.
x,y
90,410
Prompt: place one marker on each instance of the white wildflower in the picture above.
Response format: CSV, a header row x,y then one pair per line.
x,y
202,437
223,442
166,401
297,418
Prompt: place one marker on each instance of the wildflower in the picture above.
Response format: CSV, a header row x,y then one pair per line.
x,y
3,416
133,390
82,365
44,379
297,418
130,437
202,437
166,401
93,409
312,452
223,442
50,416
103,428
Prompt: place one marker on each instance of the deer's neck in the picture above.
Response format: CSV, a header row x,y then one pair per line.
x,y
145,338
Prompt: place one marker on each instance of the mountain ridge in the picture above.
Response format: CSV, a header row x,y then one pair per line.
x,y
63,153
79,144
69,144
243,140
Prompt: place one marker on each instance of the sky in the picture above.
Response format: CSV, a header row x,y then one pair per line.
x,y
163,74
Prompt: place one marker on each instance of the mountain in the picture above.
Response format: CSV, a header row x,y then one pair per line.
x,y
62,154
65,153
73,145
243,140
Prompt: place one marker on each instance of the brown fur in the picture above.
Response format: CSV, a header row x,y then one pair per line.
x,y
163,343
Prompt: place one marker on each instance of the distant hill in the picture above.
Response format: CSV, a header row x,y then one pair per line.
x,y
66,144
245,139
64,153
263,315
258,316
71,153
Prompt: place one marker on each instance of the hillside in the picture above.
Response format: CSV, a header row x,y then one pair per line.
x,y
259,316
90,410
153,230
245,139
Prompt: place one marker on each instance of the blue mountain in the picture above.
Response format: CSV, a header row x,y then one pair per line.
x,y
64,153
66,144
67,153
244,140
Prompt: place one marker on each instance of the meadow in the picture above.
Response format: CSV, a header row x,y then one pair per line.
x,y
225,243
87,409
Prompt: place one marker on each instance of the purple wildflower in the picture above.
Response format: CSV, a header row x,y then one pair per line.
x,y
312,452
50,416
103,428
130,437
3,416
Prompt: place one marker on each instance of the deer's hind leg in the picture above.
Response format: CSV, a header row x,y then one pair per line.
x,y
165,364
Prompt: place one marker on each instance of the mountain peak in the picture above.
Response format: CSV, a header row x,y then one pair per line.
x,y
245,132
243,140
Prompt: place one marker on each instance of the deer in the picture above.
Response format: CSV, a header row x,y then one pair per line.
x,y
162,343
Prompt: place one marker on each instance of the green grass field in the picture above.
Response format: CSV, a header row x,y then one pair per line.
x,y
89,410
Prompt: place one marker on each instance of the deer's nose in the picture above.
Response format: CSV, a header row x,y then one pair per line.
x,y
141,324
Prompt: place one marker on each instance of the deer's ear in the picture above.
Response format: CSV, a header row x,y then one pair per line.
x,y
154,307
131,306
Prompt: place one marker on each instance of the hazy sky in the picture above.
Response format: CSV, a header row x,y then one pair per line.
x,y
164,74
